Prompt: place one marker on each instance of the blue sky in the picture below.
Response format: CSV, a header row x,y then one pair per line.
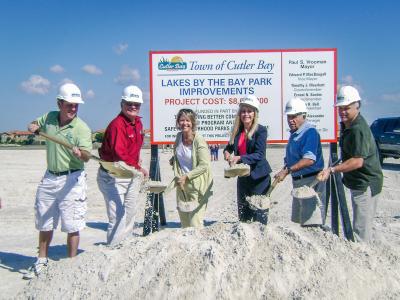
x,y
103,46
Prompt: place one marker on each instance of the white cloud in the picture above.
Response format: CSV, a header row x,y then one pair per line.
x,y
57,69
65,80
349,80
127,75
36,84
120,48
92,69
394,97
90,94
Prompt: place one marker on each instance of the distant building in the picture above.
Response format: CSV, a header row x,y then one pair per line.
x,y
17,136
147,132
26,137
146,142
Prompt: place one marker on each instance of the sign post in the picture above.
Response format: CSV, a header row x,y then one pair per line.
x,y
154,213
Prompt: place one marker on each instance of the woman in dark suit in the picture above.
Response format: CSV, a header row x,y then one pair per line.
x,y
247,145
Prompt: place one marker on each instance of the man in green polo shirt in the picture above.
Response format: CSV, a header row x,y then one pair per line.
x,y
361,169
62,192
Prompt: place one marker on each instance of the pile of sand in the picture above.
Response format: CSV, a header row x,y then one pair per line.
x,y
226,261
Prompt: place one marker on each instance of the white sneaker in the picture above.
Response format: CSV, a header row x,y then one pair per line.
x,y
36,269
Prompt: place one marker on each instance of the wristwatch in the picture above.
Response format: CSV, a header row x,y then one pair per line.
x,y
289,170
332,170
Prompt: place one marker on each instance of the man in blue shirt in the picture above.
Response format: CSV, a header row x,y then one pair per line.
x,y
304,161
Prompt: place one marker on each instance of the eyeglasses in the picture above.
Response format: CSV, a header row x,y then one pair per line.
x,y
291,117
246,111
127,103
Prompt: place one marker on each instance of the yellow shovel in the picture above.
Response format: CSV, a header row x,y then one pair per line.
x,y
158,187
262,202
116,169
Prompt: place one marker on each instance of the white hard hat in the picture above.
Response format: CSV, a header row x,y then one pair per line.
x,y
295,106
132,94
70,92
347,95
251,101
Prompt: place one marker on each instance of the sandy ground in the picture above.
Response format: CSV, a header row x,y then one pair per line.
x,y
225,260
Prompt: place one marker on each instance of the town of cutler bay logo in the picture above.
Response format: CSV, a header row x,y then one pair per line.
x,y
176,63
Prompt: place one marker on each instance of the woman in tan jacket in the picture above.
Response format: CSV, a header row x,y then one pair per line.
x,y
192,169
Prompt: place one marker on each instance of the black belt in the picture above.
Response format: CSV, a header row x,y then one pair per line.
x,y
64,172
104,169
306,175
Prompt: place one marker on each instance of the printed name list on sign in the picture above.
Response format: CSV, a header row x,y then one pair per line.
x,y
213,83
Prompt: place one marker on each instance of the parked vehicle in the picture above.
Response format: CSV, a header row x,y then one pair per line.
x,y
386,132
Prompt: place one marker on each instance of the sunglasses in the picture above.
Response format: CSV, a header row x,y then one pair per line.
x,y
246,111
187,111
127,103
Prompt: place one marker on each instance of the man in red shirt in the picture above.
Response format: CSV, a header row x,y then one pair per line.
x,y
123,140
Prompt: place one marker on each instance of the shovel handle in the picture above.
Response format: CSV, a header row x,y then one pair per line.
x,y
170,186
274,183
272,186
56,140
63,143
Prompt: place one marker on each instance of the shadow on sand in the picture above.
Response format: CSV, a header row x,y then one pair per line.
x,y
177,224
97,225
391,166
15,262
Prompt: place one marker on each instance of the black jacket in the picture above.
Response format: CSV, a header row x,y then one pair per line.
x,y
255,149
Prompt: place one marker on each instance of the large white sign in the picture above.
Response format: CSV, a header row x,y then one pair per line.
x,y
213,83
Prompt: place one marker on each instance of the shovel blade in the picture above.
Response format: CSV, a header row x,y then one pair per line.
x,y
116,170
259,202
240,170
156,187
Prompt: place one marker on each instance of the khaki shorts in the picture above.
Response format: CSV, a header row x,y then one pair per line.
x,y
61,197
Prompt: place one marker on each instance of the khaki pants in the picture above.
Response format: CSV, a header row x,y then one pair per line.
x,y
364,209
120,195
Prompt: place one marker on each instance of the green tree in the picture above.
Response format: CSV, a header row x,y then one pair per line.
x,y
31,139
99,137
